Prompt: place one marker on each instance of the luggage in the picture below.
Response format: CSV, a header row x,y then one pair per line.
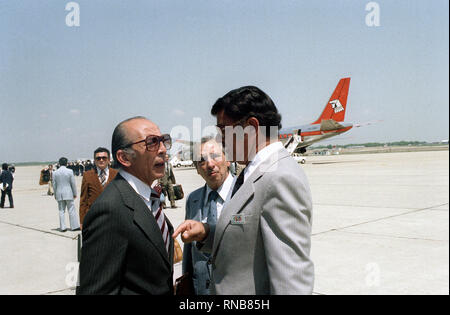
x,y
45,177
178,191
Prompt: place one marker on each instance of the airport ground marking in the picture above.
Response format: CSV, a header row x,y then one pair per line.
x,y
380,219
394,236
38,230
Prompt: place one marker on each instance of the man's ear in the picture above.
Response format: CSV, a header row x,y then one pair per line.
x,y
254,122
123,158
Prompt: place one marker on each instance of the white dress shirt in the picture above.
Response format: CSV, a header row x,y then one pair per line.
x,y
260,157
141,188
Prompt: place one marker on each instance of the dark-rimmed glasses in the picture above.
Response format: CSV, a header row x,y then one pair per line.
x,y
152,142
237,123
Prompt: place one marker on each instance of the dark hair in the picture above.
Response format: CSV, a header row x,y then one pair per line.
x,y
246,102
120,138
101,149
5,166
63,161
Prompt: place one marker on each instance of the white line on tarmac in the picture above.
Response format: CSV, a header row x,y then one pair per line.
x,y
37,230
394,236
380,219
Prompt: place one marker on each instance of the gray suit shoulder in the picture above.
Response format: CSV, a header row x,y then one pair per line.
x,y
286,167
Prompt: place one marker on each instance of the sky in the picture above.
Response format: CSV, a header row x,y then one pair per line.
x,y
64,89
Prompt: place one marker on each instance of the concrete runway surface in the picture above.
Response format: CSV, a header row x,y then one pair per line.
x,y
380,226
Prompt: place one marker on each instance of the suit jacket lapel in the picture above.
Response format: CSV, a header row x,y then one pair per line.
x,y
96,181
112,172
243,196
233,206
197,205
144,218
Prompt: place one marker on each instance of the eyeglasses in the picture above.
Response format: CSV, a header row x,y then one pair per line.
x,y
152,142
207,157
101,158
222,127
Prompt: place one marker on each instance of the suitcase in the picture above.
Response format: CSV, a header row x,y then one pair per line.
x,y
178,191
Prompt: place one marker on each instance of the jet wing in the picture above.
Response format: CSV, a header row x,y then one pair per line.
x,y
330,124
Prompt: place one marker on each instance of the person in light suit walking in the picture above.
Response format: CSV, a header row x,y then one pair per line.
x,y
262,240
65,191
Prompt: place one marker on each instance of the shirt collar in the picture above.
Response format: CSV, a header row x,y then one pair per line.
x,y
139,186
106,170
224,189
261,156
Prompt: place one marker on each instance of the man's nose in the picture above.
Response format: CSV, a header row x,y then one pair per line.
x,y
210,163
162,149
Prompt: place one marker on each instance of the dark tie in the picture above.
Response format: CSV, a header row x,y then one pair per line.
x,y
239,182
212,207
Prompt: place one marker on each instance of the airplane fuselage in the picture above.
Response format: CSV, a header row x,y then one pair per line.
x,y
312,133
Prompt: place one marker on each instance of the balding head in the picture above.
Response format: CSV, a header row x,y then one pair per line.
x,y
120,137
130,149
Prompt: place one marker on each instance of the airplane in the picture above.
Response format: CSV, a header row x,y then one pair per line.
x,y
329,124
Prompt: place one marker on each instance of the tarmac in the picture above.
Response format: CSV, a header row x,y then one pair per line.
x,y
380,226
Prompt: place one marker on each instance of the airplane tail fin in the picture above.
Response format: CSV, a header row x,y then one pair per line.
x,y
336,106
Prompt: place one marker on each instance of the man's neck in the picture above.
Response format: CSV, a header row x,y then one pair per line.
x,y
257,149
138,176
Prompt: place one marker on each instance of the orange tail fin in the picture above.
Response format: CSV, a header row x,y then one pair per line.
x,y
336,106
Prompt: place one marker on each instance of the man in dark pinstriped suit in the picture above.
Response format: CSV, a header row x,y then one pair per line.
x,y
127,248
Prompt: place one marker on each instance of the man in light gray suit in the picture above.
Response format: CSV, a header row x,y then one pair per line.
x,y
261,242
65,191
206,204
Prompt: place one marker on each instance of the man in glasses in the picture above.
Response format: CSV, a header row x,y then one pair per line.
x,y
95,180
127,248
261,242
205,205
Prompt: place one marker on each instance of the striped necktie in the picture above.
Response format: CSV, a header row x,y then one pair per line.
x,y
102,177
160,218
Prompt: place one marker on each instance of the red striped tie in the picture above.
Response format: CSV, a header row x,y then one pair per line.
x,y
160,218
